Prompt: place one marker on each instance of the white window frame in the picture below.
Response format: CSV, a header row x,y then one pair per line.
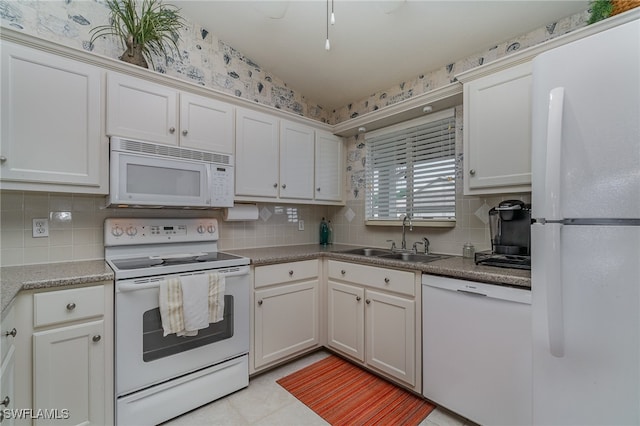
x,y
433,203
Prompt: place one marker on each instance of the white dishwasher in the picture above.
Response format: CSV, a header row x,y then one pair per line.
x,y
477,349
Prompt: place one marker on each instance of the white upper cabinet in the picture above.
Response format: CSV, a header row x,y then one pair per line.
x,y
329,167
256,154
497,132
284,160
142,110
52,132
296,161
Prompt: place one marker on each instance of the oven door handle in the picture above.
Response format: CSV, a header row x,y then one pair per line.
x,y
133,286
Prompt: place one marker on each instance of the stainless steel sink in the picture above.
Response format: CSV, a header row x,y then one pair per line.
x,y
367,251
414,257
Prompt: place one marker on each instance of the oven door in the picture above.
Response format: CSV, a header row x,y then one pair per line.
x,y
144,357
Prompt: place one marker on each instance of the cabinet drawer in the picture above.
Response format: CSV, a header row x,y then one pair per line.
x,y
285,272
372,276
67,305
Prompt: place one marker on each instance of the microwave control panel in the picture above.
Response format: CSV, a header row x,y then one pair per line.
x,y
222,188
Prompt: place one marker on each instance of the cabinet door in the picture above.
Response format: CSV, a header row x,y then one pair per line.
x,y
286,321
206,124
329,165
390,335
256,154
51,122
346,319
7,393
296,161
69,372
142,110
497,132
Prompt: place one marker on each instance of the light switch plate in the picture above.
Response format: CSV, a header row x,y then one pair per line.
x,y
40,228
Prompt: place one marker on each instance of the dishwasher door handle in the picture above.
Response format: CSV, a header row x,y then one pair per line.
x,y
472,293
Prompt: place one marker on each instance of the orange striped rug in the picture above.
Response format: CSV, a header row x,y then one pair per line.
x,y
344,394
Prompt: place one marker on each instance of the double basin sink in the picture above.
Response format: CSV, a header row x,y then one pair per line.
x,y
394,255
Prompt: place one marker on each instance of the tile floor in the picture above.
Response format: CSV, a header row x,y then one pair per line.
x,y
264,402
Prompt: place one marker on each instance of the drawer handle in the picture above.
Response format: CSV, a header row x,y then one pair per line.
x,y
343,272
368,301
71,306
275,185
96,338
284,186
172,130
260,302
11,333
291,273
358,298
6,401
386,280
185,132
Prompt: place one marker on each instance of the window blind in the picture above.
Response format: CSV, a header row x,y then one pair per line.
x,y
410,169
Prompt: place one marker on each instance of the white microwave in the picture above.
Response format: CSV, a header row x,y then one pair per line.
x,y
144,174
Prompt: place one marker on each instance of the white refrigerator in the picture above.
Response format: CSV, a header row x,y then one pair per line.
x,y
585,242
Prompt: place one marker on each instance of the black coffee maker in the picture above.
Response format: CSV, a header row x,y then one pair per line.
x,y
510,227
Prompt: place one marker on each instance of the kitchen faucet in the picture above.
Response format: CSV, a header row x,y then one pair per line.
x,y
403,245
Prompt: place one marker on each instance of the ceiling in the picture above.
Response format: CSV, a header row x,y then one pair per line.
x,y
375,44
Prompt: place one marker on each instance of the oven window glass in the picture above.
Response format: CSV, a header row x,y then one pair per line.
x,y
156,346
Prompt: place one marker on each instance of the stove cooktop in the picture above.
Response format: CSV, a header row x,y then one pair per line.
x,y
171,260
503,260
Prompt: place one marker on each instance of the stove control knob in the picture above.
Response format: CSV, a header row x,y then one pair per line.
x,y
201,229
211,229
117,231
132,231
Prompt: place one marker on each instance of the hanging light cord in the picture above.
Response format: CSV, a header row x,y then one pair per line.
x,y
327,45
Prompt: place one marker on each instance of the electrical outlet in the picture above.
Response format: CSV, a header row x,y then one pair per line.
x,y
40,228
301,225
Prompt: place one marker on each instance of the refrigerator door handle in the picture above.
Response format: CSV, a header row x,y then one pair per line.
x,y
553,175
553,269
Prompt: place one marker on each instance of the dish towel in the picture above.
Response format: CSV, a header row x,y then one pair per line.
x,y
188,304
195,303
216,297
171,306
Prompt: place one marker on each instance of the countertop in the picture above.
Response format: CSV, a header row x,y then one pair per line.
x,y
28,277
50,275
454,266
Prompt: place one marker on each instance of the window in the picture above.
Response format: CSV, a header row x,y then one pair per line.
x,y
410,169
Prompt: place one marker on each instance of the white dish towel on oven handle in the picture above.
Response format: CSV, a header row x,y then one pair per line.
x,y
188,304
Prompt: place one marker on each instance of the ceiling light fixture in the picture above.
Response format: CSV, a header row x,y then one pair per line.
x,y
327,45
427,109
362,129
333,16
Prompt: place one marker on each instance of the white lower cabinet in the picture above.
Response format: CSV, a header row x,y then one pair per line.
x,y
68,369
7,366
286,312
372,318
66,376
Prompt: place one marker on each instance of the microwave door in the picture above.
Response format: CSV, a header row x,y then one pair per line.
x,y
153,181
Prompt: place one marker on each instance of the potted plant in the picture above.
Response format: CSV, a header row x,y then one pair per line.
x,y
151,29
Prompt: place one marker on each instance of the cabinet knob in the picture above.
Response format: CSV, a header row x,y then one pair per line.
x,y
172,130
275,185
284,186
343,272
71,306
358,298
368,301
472,172
3,158
318,189
6,401
290,273
1,416
386,280
96,338
260,302
185,132
11,333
